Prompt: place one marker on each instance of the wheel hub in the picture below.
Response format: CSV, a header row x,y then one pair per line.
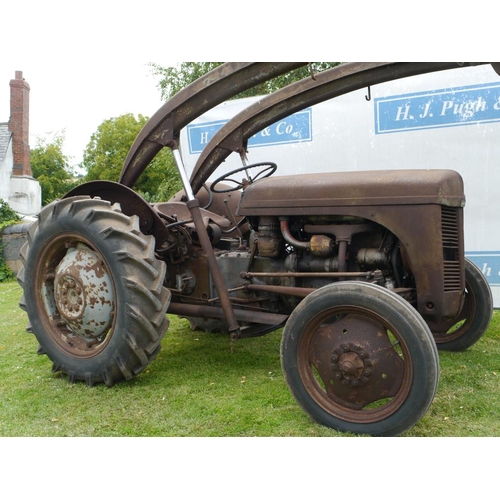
x,y
71,297
351,365
83,293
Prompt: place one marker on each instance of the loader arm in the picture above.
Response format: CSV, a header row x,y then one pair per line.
x,y
233,136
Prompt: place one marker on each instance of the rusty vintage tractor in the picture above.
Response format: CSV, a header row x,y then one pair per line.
x,y
364,271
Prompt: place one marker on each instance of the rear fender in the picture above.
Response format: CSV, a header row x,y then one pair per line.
x,y
130,202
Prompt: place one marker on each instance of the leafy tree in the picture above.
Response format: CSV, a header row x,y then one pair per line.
x,y
161,180
173,79
105,154
50,167
107,150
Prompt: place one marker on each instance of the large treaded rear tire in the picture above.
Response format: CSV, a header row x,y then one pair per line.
x,y
125,287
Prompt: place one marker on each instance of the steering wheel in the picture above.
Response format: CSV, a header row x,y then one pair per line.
x,y
268,170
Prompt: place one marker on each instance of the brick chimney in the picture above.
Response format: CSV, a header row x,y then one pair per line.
x,y
19,124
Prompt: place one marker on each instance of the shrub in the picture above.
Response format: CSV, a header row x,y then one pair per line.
x,y
8,217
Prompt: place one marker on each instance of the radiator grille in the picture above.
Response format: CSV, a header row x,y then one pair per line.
x,y
451,246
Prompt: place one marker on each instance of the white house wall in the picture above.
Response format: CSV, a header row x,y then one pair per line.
x,y
5,172
25,195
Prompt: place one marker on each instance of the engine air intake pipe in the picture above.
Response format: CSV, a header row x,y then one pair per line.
x,y
319,245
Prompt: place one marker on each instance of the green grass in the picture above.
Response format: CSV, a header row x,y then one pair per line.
x,y
205,385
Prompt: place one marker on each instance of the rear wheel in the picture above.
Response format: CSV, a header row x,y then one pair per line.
x,y
93,291
474,318
360,359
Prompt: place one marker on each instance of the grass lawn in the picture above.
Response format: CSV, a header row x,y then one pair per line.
x,y
203,385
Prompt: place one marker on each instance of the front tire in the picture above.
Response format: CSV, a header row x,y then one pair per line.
x,y
360,359
474,318
93,291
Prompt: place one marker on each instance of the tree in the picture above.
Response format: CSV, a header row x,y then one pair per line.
x,y
105,154
161,180
51,169
107,150
173,79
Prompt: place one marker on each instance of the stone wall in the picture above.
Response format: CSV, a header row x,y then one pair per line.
x,y
13,238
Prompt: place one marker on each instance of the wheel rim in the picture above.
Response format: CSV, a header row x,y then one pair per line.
x,y
354,364
75,296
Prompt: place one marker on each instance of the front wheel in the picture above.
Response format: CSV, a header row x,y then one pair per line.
x,y
474,318
358,358
93,291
